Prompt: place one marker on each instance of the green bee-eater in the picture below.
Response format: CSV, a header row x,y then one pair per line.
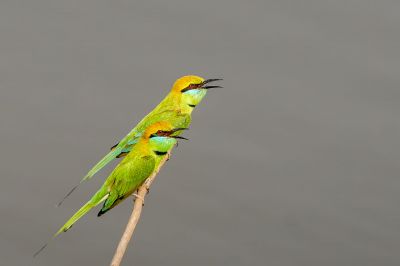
x,y
139,164
176,108
132,171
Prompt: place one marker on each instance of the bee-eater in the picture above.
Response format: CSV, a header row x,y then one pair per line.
x,y
141,162
176,108
132,171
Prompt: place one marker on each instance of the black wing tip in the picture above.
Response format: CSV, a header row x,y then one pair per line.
x,y
113,147
101,212
122,154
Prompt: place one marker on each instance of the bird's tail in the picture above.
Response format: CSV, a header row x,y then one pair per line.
x,y
99,197
122,147
103,162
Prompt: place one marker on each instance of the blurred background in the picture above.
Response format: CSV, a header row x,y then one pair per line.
x,y
294,162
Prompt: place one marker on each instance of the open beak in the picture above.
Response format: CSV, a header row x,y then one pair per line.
x,y
209,81
201,85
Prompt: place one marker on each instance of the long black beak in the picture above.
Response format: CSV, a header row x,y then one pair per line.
x,y
201,85
210,87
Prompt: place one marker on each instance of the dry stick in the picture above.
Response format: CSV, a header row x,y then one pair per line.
x,y
133,220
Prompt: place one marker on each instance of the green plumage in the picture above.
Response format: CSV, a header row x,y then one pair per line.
x,y
176,118
176,108
144,147
130,173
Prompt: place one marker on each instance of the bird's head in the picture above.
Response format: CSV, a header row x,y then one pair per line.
x,y
192,89
161,136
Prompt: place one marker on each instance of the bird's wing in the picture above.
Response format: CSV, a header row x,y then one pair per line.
x,y
122,148
119,150
159,113
126,178
126,144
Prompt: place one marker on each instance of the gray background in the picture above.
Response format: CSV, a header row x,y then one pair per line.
x,y
294,162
